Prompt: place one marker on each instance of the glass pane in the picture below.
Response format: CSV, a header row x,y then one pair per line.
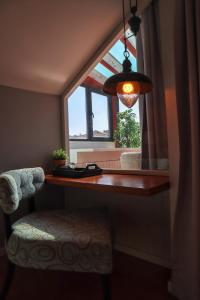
x,y
103,70
135,109
77,114
100,116
117,51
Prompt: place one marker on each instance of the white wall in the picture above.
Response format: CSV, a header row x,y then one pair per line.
x,y
30,129
141,225
91,145
78,146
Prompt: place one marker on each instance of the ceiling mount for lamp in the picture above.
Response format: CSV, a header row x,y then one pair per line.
x,y
134,21
128,85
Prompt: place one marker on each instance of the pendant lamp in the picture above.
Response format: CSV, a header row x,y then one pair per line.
x,y
128,85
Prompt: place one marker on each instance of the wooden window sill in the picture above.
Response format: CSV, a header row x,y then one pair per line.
x,y
143,185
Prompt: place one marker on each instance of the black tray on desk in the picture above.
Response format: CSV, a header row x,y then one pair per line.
x,y
66,171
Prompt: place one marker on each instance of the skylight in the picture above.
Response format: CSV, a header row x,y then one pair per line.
x,y
117,51
112,61
103,70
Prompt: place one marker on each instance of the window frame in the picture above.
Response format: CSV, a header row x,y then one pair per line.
x,y
89,116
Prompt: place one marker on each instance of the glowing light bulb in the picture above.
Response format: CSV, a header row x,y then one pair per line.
x,y
128,93
127,88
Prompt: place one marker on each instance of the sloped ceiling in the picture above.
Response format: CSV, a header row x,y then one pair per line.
x,y
44,44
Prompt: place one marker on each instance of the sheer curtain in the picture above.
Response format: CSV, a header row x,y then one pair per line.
x,y
152,105
186,245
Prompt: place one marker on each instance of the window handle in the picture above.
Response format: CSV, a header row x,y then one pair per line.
x,y
92,114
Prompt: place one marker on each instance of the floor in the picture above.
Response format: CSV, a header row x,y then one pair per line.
x,y
132,279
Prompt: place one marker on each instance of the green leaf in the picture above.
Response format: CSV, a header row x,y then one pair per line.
x,y
127,133
59,154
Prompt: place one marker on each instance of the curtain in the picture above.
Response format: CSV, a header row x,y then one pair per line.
x,y
152,105
186,241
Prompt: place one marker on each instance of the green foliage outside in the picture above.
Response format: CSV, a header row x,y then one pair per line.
x,y
59,154
127,134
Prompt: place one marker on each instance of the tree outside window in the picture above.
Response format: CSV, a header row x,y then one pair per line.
x,y
127,134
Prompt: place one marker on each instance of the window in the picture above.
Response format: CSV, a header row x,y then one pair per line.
x,y
89,115
77,111
100,113
96,121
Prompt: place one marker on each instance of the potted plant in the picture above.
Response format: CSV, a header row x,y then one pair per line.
x,y
60,157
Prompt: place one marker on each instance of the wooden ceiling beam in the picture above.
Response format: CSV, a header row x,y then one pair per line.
x,y
91,82
113,62
99,77
108,66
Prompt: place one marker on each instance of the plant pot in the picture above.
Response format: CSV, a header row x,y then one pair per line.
x,y
59,162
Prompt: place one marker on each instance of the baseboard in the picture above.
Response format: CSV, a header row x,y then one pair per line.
x,y
143,255
2,251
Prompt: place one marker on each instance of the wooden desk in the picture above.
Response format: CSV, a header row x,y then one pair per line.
x,y
144,185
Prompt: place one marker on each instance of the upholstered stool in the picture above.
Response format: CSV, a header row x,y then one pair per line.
x,y
66,240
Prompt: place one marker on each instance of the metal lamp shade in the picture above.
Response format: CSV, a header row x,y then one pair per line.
x,y
144,82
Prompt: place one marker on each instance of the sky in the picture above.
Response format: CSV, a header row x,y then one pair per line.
x,y
77,112
100,111
117,51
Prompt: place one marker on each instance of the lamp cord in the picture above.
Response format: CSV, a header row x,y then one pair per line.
x,y
136,6
133,10
124,23
126,53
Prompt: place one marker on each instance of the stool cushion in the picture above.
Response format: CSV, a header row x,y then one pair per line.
x,y
62,240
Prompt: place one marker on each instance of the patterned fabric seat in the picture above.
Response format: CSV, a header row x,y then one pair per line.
x,y
74,241
58,239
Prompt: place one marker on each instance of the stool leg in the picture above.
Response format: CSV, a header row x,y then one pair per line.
x,y
8,281
106,285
